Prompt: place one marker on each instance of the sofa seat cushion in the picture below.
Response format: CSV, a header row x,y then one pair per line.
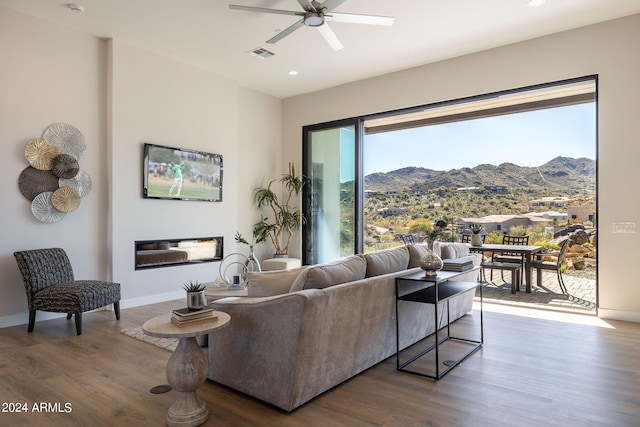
x,y
387,261
321,276
269,283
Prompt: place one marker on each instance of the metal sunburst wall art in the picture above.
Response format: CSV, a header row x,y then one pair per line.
x,y
54,182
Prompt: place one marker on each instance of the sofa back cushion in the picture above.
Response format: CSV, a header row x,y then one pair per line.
x,y
387,261
269,283
333,273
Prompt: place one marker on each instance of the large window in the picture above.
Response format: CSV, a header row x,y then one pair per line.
x,y
374,178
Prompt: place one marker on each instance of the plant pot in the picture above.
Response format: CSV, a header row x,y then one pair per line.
x,y
476,239
196,300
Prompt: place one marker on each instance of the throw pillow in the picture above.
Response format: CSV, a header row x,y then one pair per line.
x,y
447,251
461,249
387,261
416,252
322,276
269,283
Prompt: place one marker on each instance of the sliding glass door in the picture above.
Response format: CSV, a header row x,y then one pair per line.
x,y
373,178
332,195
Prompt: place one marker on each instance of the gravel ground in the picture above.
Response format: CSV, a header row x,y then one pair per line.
x,y
589,272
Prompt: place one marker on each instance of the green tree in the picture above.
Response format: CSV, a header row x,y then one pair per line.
x,y
420,226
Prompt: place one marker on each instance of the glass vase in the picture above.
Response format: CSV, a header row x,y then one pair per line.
x,y
252,262
431,263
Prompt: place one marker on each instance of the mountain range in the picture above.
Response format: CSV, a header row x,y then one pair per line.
x,y
563,174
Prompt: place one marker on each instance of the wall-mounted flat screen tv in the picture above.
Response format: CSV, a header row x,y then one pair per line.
x,y
181,174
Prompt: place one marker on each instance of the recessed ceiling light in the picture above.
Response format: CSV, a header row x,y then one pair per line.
x,y
535,3
293,73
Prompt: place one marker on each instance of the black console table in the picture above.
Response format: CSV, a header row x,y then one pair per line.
x,y
419,288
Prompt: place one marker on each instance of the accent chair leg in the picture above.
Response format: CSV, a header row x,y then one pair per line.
x,y
78,323
116,309
69,315
32,320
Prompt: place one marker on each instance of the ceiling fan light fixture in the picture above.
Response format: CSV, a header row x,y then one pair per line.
x,y
313,19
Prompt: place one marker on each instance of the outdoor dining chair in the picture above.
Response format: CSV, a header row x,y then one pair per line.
x,y
408,239
466,238
511,257
539,264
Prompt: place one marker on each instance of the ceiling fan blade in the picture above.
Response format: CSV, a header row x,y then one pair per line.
x,y
329,5
262,9
307,5
330,36
353,18
284,33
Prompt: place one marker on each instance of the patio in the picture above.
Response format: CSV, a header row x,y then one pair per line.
x,y
581,295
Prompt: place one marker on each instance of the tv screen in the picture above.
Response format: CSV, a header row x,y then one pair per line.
x,y
181,174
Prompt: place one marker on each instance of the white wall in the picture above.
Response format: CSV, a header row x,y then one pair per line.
x,y
120,96
173,104
608,50
259,159
62,80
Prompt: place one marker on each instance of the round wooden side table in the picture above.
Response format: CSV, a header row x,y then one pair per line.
x,y
187,368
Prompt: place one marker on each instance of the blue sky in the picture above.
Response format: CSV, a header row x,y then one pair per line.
x,y
526,139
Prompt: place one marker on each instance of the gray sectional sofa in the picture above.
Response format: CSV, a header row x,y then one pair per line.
x,y
301,332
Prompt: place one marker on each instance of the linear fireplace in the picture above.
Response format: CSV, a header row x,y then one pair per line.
x,y
170,252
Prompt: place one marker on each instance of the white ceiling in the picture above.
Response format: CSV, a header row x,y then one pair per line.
x,y
208,34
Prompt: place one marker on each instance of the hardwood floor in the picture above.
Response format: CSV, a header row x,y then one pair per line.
x,y
530,372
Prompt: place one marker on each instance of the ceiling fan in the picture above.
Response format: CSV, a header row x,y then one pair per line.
x,y
314,14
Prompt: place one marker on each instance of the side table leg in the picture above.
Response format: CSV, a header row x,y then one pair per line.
x,y
186,371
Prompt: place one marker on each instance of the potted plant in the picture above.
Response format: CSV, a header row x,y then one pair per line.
x,y
196,299
430,262
476,236
283,219
252,263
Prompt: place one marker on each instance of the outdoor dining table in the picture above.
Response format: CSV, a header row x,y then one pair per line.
x,y
528,251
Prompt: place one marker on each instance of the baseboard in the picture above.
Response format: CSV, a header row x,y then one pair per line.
x,y
626,316
23,318
152,299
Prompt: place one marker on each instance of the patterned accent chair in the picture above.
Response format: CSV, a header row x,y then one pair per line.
x,y
50,285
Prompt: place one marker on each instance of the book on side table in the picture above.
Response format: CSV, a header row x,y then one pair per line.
x,y
457,264
185,317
